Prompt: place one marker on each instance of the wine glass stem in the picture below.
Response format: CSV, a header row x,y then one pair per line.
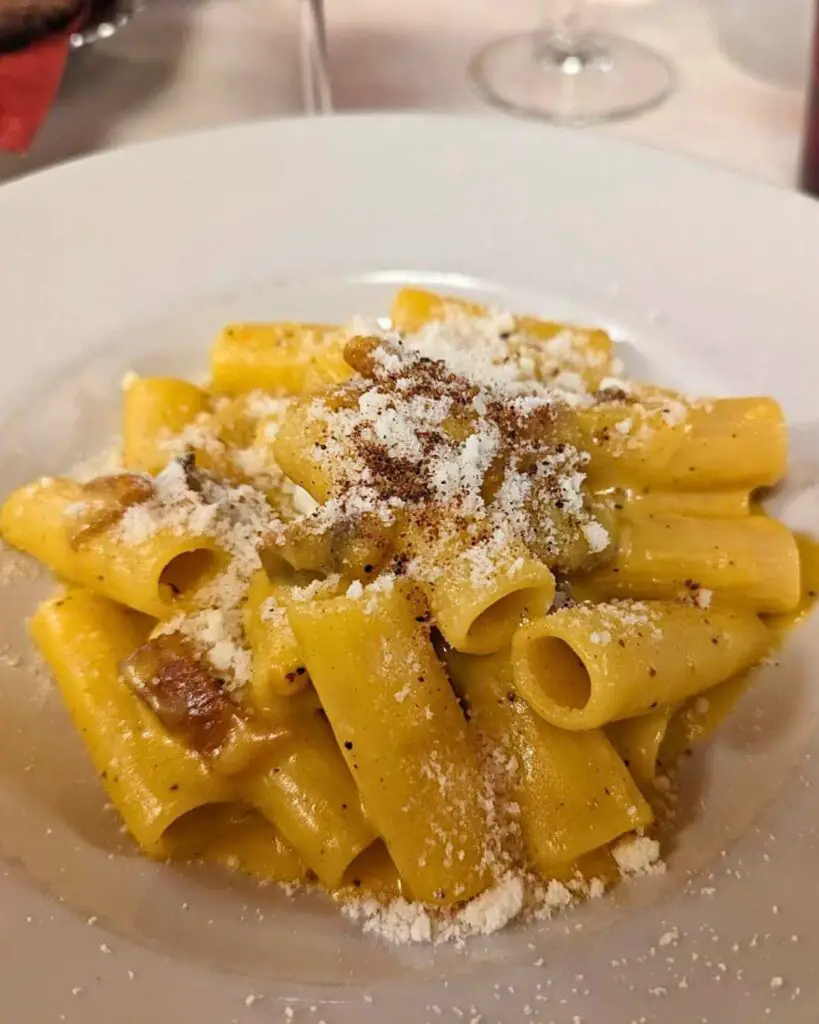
x,y
565,26
315,72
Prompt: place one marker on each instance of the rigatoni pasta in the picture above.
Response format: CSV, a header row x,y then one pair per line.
x,y
278,664
584,667
574,792
72,528
483,596
751,562
281,358
669,442
403,736
422,615
155,409
644,501
640,739
151,777
304,788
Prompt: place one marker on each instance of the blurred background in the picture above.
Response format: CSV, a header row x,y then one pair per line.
x,y
741,70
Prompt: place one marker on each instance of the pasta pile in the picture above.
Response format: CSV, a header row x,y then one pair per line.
x,y
422,615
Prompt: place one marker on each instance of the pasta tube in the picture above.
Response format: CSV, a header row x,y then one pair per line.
x,y
709,504
583,350
639,740
751,562
278,667
373,874
574,793
151,777
721,443
304,787
296,451
155,409
584,667
235,837
700,716
284,358
402,734
481,596
157,576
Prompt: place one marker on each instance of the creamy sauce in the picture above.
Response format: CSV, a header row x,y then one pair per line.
x,y
781,625
235,837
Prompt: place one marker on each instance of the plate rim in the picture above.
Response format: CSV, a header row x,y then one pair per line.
x,y
113,156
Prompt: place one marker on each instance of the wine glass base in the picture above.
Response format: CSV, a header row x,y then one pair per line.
x,y
605,79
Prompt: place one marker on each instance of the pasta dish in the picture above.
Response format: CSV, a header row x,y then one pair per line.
x,y
421,615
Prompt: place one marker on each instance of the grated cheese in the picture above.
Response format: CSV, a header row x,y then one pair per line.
x,y
638,855
240,522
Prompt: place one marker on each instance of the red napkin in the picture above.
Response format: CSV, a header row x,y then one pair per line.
x,y
29,80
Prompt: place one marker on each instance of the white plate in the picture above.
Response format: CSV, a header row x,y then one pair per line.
x,y
132,260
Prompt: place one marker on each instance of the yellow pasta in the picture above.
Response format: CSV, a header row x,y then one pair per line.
x,y
278,666
372,875
157,576
752,562
412,308
699,717
723,443
574,793
733,441
639,741
237,418
422,616
480,597
285,358
584,667
296,448
151,778
156,409
581,349
780,624
304,787
729,504
235,837
403,736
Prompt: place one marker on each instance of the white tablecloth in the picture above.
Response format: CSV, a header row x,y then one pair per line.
x,y
189,64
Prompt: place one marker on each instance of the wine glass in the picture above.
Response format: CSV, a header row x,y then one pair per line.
x,y
315,72
568,75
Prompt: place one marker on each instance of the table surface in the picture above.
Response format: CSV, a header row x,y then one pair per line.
x,y
189,64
